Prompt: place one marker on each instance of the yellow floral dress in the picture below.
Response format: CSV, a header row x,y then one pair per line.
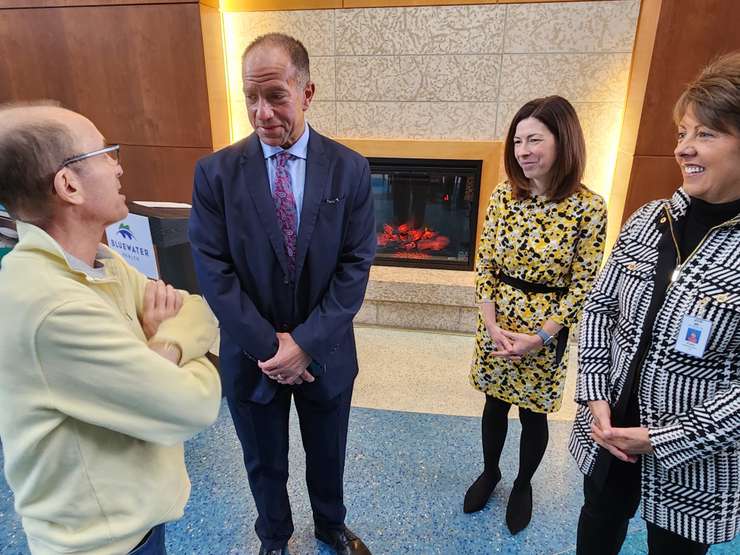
x,y
559,244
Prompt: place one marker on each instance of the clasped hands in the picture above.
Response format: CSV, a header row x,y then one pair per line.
x,y
289,365
624,443
512,345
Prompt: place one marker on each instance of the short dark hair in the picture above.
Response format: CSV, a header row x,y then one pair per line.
x,y
30,155
559,116
293,48
714,96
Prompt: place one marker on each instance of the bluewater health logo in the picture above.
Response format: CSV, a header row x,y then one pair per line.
x,y
125,231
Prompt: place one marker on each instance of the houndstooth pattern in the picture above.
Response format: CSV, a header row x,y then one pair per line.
x,y
691,484
285,206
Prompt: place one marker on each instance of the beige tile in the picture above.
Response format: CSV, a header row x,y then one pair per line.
x,y
422,30
577,77
602,124
421,293
422,371
468,319
314,28
418,316
368,313
322,116
417,78
571,27
417,120
323,75
453,30
460,278
240,126
415,371
369,31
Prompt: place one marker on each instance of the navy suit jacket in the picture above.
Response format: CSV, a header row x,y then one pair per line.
x,y
241,264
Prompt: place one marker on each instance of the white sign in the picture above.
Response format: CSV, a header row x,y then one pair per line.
x,y
160,204
132,239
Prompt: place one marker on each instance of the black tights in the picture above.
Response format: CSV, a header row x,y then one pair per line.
x,y
532,444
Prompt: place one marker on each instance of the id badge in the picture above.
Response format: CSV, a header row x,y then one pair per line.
x,y
693,336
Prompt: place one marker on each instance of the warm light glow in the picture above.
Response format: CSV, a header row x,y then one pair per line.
x,y
235,41
601,118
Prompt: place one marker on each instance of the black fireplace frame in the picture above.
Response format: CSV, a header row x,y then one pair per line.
x,y
378,164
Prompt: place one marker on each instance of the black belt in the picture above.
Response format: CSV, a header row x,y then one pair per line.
x,y
531,287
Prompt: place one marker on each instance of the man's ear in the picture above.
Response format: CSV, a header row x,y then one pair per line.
x,y
67,187
308,93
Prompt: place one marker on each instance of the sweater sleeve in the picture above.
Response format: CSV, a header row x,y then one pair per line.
x,y
587,258
600,313
96,370
486,281
194,328
701,432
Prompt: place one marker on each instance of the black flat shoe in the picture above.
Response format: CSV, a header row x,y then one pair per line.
x,y
344,542
478,494
519,508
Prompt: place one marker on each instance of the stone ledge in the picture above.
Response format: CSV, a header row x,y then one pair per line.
x,y
412,298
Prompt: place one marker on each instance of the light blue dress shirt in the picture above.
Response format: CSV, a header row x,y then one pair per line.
x,y
296,168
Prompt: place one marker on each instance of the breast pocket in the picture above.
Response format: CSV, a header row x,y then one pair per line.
x,y
722,308
636,279
332,208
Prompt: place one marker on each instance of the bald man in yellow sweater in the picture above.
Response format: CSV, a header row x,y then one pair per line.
x,y
102,372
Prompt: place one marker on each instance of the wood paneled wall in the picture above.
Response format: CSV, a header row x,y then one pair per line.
x,y
675,39
135,68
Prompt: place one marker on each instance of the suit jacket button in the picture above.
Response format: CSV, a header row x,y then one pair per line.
x,y
286,280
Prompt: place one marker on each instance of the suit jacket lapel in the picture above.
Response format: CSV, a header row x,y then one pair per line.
x,y
317,180
254,176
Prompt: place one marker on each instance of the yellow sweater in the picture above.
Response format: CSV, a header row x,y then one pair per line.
x,y
92,421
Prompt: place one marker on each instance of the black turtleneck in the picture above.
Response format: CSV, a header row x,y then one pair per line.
x,y
700,217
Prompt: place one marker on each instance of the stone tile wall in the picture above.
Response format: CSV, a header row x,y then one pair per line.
x,y
455,72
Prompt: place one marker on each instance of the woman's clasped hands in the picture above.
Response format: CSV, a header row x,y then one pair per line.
x,y
512,345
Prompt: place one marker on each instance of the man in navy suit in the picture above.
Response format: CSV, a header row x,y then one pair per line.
x,y
283,236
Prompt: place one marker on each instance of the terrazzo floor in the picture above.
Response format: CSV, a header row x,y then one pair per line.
x,y
413,449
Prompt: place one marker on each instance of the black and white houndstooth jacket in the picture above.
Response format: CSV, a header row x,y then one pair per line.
x,y
691,484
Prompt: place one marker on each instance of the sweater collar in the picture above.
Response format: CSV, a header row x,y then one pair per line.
x,y
679,203
33,238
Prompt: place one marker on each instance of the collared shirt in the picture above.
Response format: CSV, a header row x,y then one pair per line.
x,y
98,272
296,168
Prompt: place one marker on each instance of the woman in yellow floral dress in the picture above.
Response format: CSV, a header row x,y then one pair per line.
x,y
539,253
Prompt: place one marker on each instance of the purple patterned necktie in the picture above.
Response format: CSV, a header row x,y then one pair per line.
x,y
285,207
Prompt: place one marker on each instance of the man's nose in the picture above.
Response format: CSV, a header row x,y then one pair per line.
x,y
263,110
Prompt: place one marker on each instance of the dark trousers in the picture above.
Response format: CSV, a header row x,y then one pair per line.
x,y
152,544
606,511
263,433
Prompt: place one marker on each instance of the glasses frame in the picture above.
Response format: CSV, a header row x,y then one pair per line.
x,y
80,157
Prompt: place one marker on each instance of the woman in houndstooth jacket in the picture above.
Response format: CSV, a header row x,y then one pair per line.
x,y
659,355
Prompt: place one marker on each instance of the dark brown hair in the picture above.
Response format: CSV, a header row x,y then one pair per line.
x,y
558,115
714,96
293,48
30,155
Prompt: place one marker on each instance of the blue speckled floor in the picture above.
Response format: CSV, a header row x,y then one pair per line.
x,y
405,479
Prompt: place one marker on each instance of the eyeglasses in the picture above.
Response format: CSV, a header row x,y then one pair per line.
x,y
113,152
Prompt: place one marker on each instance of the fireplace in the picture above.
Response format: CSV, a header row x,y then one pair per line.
x,y
426,211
